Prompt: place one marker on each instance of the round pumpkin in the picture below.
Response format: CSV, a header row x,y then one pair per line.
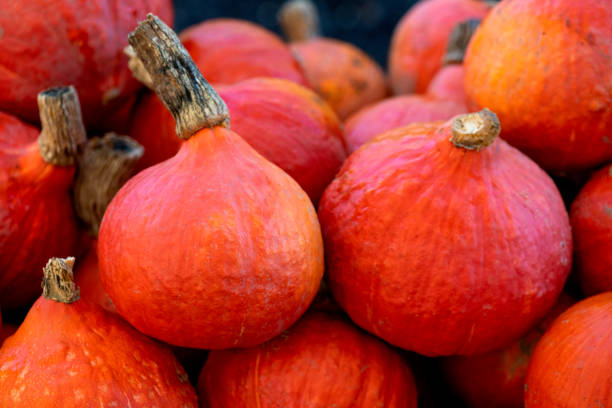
x,y
284,122
420,39
396,112
591,219
47,43
442,239
571,365
527,63
216,236
497,379
65,340
36,178
228,51
342,74
447,84
322,361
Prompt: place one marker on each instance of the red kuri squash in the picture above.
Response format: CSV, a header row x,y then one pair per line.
x,y
445,246
217,237
345,77
46,43
36,214
285,122
420,38
591,219
544,68
71,353
571,366
322,361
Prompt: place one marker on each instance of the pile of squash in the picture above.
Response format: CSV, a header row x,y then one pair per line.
x,y
221,218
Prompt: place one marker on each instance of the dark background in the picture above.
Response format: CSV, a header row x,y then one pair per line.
x,y
366,23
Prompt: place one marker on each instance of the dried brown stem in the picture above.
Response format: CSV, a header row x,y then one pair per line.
x,y
138,70
299,20
474,131
459,40
58,280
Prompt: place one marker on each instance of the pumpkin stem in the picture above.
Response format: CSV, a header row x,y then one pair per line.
x,y
62,130
106,164
58,280
473,131
299,20
458,41
137,68
177,81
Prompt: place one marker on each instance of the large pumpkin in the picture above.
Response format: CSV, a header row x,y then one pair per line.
x,y
36,215
70,353
420,38
442,239
322,361
46,43
571,366
285,122
544,68
216,236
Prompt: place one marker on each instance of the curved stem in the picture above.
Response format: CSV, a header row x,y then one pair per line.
x,y
474,131
299,20
58,280
177,81
459,40
62,131
106,164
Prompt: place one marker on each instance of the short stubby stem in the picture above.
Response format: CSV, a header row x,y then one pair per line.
x,y
474,131
459,40
58,280
299,20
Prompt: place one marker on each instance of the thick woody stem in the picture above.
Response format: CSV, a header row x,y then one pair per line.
x,y
299,20
63,131
106,164
459,40
58,280
177,81
138,70
473,131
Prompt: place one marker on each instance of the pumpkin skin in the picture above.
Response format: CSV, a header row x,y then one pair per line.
x,y
43,364
591,219
397,112
428,286
49,43
228,51
345,77
497,379
87,278
280,373
233,246
570,366
419,41
286,123
35,208
559,114
448,84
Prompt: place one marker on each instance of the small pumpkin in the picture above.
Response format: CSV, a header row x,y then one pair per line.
x,y
396,112
420,39
591,220
64,340
285,122
570,366
228,51
216,236
50,43
497,379
527,63
442,239
342,74
448,84
37,216
321,361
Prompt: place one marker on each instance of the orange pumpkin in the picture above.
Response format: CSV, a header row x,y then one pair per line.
x,y
342,74
420,38
321,361
544,68
216,236
442,239
571,365
64,339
